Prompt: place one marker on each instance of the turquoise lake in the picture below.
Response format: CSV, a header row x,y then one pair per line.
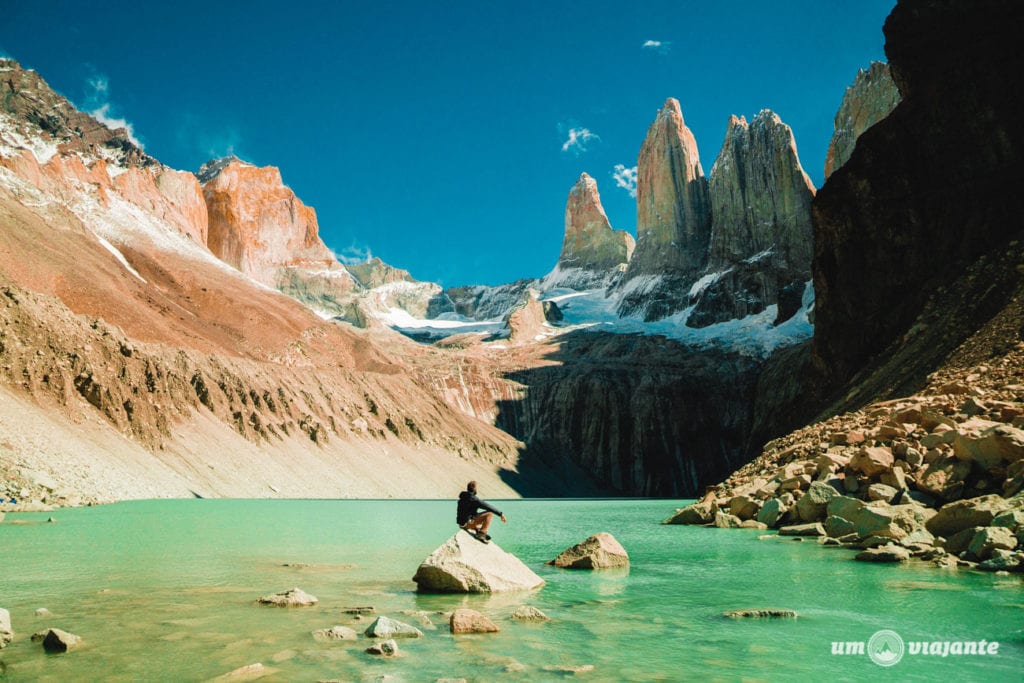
x,y
166,590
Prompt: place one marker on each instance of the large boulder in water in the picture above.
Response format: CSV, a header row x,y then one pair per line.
x,y
465,565
600,551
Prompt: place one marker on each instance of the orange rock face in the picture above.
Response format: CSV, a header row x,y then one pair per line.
x,y
673,211
590,243
259,226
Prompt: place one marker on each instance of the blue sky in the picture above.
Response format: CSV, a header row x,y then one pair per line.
x,y
434,135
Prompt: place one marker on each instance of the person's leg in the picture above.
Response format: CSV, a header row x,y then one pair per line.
x,y
481,522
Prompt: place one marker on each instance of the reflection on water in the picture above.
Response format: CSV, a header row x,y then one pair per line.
x,y
167,589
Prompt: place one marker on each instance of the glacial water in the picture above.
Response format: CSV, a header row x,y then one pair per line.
x,y
166,590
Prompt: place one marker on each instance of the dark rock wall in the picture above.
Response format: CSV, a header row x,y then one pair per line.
x,y
929,189
633,415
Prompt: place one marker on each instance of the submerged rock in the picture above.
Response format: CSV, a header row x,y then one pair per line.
x,y
369,609
294,597
761,614
529,613
471,621
334,633
600,551
385,648
386,627
249,672
465,565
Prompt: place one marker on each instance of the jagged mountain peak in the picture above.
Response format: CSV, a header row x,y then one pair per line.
x,y
671,109
592,252
212,168
34,116
870,98
374,272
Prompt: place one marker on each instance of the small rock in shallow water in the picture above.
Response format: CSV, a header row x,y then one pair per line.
x,y
529,613
385,648
385,627
471,621
358,610
55,640
570,670
600,551
324,635
885,553
250,672
294,597
761,614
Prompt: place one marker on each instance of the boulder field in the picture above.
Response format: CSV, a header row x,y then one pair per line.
x,y
937,476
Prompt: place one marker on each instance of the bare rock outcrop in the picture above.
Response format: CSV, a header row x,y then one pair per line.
x,y
592,252
927,191
870,98
465,565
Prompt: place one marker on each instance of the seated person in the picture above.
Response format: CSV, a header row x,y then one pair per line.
x,y
467,517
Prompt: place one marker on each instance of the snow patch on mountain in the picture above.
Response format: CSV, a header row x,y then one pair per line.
x,y
12,141
119,256
754,335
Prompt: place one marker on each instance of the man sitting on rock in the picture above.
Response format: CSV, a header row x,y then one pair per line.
x,y
468,519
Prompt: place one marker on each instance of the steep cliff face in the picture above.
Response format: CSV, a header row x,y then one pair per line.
x,y
637,415
760,196
927,190
592,252
259,226
673,217
872,96
761,240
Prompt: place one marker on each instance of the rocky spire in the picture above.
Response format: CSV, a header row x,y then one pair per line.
x,y
591,251
760,197
870,99
673,212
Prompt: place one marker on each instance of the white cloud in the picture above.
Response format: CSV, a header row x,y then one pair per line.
x,y
625,178
102,114
578,139
99,84
662,47
96,100
354,254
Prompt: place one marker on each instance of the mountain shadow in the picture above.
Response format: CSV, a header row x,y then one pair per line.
x,y
634,415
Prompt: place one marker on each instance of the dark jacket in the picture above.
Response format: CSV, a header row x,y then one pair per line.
x,y
469,504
